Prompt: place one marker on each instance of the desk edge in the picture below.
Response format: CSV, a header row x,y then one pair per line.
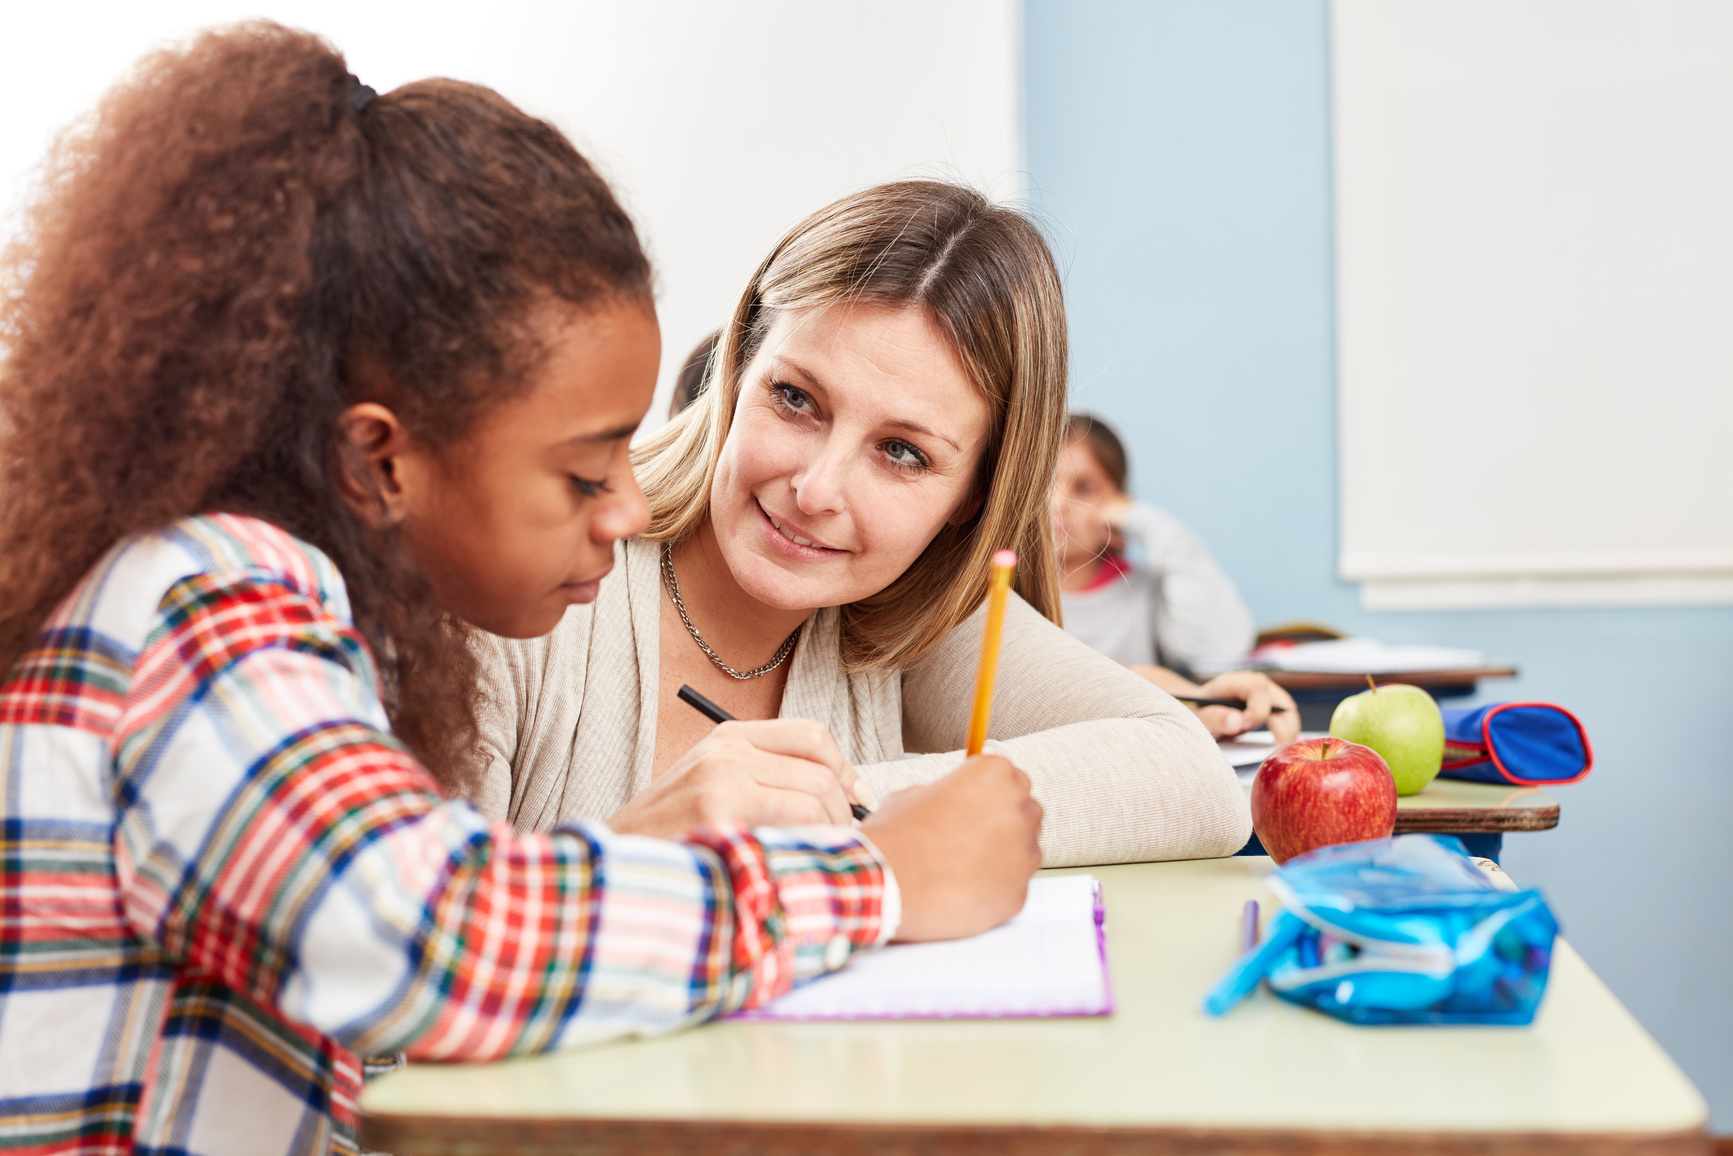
x,y
467,1135
1475,820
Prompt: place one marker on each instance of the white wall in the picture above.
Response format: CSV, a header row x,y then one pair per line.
x,y
1535,286
721,124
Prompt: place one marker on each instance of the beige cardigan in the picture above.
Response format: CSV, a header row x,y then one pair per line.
x,y
1125,773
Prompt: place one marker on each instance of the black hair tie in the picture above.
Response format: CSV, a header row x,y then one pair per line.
x,y
360,95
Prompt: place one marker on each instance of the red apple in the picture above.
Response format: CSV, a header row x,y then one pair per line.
x,y
1319,792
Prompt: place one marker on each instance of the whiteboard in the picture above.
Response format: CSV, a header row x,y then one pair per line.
x,y
1534,244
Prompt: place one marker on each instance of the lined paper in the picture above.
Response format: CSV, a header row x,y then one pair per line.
x,y
1048,960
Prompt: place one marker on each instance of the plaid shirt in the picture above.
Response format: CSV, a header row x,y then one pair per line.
x,y
222,879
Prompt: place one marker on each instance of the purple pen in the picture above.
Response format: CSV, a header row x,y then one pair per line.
x,y
1249,926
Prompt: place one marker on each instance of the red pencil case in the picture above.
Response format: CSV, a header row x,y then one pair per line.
x,y
1525,743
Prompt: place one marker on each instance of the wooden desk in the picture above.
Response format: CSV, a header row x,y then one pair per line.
x,y
1455,807
1458,807
1156,1077
1433,680
1316,694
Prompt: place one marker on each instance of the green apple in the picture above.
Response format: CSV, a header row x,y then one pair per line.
x,y
1402,724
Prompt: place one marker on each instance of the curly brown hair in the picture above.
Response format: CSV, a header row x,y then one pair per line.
x,y
237,245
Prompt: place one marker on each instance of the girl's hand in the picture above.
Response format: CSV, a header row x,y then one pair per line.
x,y
1114,507
1259,692
772,773
962,848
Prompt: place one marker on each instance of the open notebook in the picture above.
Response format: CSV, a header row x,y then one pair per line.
x,y
1048,960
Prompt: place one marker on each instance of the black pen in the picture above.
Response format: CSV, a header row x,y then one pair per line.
x,y
1235,703
717,715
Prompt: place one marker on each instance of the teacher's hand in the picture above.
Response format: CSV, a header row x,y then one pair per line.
x,y
771,773
962,848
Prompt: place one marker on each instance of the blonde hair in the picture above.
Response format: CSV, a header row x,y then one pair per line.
x,y
986,277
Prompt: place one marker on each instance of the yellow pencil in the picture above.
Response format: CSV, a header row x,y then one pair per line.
x,y
1003,563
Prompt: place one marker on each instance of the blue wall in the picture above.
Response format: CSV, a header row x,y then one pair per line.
x,y
1180,152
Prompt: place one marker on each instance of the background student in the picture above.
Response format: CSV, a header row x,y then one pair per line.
x,y
884,412
1164,614
299,383
690,383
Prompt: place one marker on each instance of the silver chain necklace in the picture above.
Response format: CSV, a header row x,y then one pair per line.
x,y
673,585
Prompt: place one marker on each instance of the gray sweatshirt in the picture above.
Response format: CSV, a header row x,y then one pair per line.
x,y
1177,609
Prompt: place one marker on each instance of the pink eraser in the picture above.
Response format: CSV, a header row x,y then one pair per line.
x,y
1005,558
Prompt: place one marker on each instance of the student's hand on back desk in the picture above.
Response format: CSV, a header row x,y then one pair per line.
x,y
1257,690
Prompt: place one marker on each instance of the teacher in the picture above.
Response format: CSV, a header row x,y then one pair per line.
x,y
884,410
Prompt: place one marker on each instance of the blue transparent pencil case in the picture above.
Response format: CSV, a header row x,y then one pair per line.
x,y
1398,931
